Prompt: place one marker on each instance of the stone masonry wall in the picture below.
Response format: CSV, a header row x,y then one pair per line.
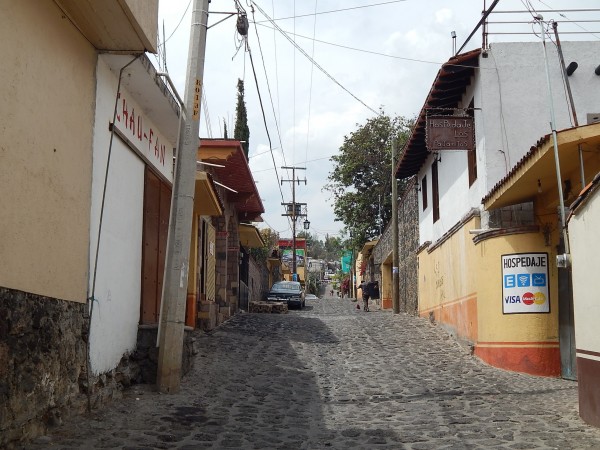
x,y
42,362
408,242
258,280
43,365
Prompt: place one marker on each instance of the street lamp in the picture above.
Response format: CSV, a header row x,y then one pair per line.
x,y
306,224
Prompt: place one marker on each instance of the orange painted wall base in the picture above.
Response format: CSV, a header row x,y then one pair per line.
x,y
386,303
543,360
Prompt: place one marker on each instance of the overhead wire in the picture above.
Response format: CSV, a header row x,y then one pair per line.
x,y
265,120
372,52
563,15
312,67
270,96
301,50
338,10
177,26
308,161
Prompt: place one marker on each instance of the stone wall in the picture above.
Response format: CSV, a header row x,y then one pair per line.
x,y
408,243
42,362
258,281
43,365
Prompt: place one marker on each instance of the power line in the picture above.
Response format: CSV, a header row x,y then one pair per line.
x,y
312,67
265,122
178,24
335,10
270,95
301,50
308,161
372,52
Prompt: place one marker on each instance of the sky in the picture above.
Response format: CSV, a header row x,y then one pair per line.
x,y
368,55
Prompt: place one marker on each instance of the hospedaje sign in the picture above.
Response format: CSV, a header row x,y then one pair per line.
x,y
525,283
450,133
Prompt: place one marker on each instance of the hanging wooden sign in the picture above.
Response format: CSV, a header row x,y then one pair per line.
x,y
450,133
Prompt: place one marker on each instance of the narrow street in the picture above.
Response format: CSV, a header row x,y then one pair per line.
x,y
331,376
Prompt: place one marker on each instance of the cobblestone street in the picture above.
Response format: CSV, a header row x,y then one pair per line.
x,y
331,376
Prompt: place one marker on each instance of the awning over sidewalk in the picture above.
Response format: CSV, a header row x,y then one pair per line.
x,y
206,198
521,183
250,236
368,247
233,171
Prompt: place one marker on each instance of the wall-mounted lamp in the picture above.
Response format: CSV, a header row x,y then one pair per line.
x,y
572,67
539,186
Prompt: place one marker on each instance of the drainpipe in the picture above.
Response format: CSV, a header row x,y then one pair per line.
x,y
570,95
92,293
564,258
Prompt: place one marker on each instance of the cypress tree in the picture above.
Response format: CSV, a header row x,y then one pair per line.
x,y
241,131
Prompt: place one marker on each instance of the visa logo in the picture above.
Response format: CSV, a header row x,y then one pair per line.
x,y
512,299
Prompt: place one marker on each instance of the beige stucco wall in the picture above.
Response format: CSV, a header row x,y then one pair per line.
x,y
47,103
448,273
145,15
494,326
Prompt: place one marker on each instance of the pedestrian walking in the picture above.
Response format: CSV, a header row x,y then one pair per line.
x,y
364,286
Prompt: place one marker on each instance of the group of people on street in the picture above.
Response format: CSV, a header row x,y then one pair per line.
x,y
365,287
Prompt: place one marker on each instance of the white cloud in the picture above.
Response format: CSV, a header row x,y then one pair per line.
x,y
443,15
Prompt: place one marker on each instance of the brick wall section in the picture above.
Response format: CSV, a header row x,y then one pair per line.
x,y
220,224
408,242
233,263
258,280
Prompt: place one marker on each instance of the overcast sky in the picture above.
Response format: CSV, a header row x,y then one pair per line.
x,y
376,54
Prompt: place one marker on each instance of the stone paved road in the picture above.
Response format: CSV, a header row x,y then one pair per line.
x,y
334,377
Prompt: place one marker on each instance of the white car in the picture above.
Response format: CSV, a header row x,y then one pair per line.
x,y
311,297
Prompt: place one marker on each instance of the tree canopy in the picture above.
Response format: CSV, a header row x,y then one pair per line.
x,y
271,239
241,132
360,181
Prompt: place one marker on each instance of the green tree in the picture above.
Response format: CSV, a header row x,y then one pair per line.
x,y
224,129
361,175
271,239
241,132
333,248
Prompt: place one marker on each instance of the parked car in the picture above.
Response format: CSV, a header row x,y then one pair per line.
x,y
311,297
289,292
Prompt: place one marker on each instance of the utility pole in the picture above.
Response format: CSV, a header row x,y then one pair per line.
x,y
395,264
172,317
294,214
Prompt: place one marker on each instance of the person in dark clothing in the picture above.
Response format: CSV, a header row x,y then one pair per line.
x,y
365,294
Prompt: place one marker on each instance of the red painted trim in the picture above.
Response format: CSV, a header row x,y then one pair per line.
x,y
588,352
516,344
541,361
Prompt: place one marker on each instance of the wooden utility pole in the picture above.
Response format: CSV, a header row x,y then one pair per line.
x,y
172,317
294,214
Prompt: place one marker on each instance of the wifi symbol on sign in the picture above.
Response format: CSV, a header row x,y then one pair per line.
x,y
523,280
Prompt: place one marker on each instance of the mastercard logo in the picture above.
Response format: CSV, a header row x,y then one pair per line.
x,y
529,298
539,298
